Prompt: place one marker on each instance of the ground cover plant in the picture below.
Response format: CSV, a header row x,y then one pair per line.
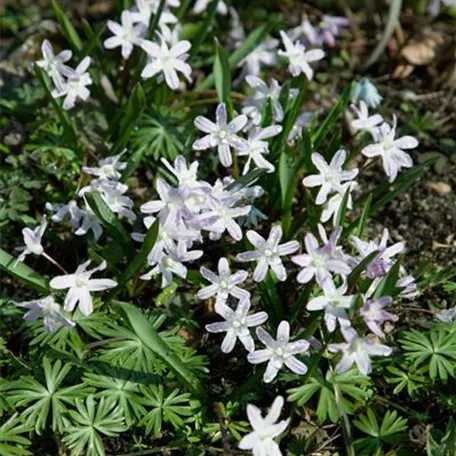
x,y
211,242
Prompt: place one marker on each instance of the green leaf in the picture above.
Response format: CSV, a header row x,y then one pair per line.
x,y
249,44
222,74
436,349
387,432
63,116
138,261
173,408
149,336
356,272
387,286
91,420
342,209
44,399
204,28
331,118
11,442
363,217
67,28
132,112
23,272
110,222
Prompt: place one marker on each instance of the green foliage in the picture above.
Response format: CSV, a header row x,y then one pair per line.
x,y
442,443
11,442
351,384
170,407
387,432
90,421
435,349
45,400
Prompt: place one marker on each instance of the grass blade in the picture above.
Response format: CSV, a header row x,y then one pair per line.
x,y
204,28
67,28
222,76
331,118
250,43
23,272
133,111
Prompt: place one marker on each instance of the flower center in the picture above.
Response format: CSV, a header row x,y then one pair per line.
x,y
82,281
236,324
222,134
224,284
388,146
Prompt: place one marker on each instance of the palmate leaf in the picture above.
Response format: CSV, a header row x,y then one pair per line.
x,y
89,422
436,349
408,377
169,407
350,383
45,399
11,442
124,393
387,432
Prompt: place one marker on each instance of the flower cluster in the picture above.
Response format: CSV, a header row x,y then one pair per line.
x,y
187,210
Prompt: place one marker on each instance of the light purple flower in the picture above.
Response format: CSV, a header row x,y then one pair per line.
x,y
32,241
236,325
391,150
224,284
298,57
47,309
331,175
221,134
374,315
364,121
334,303
256,148
366,91
54,65
267,253
320,262
358,350
384,260
168,61
279,352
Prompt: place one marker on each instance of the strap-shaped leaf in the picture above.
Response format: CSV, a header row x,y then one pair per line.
x,y
111,223
360,268
133,110
250,43
138,261
342,209
150,337
331,118
67,28
204,28
63,116
388,285
23,272
222,75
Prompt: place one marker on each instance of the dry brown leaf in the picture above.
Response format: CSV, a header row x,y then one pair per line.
x,y
439,187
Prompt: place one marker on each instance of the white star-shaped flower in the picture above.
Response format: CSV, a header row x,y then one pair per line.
x,y
221,134
267,253
75,86
80,286
265,430
279,352
298,57
168,61
54,65
236,325
331,175
32,240
224,284
256,148
127,34
391,150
